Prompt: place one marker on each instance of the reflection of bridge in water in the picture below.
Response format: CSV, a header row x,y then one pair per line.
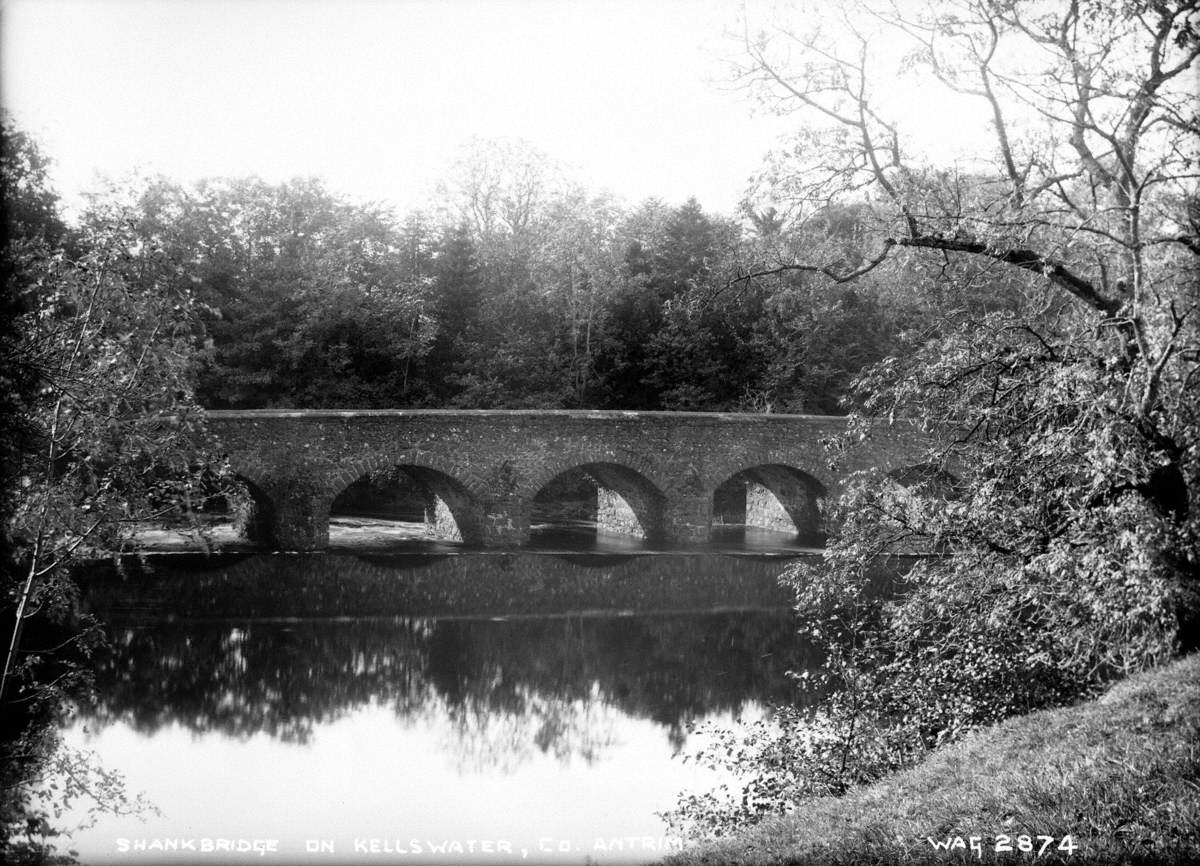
x,y
476,585
486,478
280,644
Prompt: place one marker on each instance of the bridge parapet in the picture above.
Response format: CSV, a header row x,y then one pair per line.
x,y
486,466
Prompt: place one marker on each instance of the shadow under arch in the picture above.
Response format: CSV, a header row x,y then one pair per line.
x,y
413,493
234,507
599,496
251,511
775,497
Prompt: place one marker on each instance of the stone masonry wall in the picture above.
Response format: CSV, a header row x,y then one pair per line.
x,y
486,466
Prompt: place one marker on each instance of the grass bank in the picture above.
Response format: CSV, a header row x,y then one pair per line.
x,y
1120,775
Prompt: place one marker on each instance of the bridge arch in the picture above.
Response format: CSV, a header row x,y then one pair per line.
x,y
773,496
600,494
449,508
553,466
253,516
256,479
349,471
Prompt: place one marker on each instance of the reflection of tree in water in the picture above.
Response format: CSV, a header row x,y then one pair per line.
x,y
511,689
278,679
481,738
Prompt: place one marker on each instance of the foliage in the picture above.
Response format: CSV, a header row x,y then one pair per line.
x,y
306,298
1061,483
1118,776
106,435
30,224
523,290
116,430
42,778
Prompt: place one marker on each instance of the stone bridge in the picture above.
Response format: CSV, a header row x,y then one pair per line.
x,y
486,475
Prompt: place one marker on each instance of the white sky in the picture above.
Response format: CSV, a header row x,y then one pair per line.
x,y
378,96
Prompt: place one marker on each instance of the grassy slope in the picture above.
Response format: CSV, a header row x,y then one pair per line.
x,y
1120,774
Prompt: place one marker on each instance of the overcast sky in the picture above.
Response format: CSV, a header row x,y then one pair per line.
x,y
378,96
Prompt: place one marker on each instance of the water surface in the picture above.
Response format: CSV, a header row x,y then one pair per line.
x,y
435,708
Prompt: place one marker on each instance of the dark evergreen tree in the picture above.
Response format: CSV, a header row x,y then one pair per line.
x,y
640,367
457,296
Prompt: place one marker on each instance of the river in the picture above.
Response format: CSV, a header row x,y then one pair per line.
x,y
433,707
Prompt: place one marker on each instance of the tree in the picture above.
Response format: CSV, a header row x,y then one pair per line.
x,y
819,336
363,314
1061,489
704,353
1098,204
458,297
668,344
309,300
577,270
106,436
117,437
32,227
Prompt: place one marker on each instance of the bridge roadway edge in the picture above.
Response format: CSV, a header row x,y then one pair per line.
x,y
491,463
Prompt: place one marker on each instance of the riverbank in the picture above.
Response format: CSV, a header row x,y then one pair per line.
x,y
1118,778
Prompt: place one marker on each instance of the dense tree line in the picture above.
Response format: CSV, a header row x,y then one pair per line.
x,y
522,291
